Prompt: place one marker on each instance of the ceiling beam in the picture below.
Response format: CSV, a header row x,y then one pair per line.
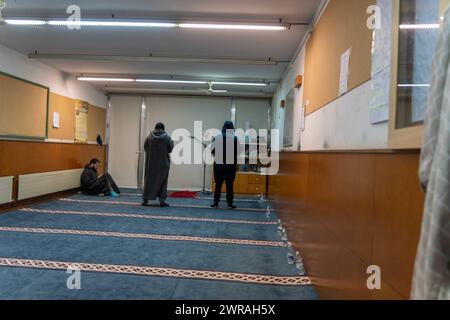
x,y
151,58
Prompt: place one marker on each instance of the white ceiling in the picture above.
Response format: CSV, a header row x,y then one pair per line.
x,y
279,45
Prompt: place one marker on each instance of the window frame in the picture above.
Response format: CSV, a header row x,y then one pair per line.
x,y
399,138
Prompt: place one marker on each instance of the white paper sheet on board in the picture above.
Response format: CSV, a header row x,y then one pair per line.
x,y
379,102
345,72
55,119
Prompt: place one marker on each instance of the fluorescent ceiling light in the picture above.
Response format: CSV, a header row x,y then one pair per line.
x,y
136,24
19,22
146,24
109,79
413,85
171,81
240,84
231,26
105,79
419,26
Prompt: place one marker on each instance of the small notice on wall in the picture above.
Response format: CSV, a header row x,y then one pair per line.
x,y
345,72
379,103
55,120
81,121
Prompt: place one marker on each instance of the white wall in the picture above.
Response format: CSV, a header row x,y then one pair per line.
x,y
19,65
296,68
345,124
176,112
179,112
252,110
124,140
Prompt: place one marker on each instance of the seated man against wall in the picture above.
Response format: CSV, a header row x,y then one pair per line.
x,y
94,185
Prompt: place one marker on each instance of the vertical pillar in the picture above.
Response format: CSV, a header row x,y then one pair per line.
x,y
233,111
107,130
142,137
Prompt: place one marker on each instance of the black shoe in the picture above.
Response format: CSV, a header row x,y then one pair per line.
x,y
144,204
232,207
215,205
164,205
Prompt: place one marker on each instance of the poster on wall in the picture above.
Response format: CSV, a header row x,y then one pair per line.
x,y
379,103
345,72
381,65
81,121
382,43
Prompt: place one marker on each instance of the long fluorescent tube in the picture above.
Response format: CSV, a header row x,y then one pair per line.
x,y
231,26
240,84
112,24
413,85
105,79
255,84
171,81
147,24
419,26
19,22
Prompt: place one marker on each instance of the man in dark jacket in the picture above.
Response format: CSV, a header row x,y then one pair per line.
x,y
158,147
225,148
94,185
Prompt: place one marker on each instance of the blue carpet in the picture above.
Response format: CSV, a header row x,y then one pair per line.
x,y
254,250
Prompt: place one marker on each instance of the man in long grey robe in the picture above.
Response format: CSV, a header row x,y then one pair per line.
x,y
158,147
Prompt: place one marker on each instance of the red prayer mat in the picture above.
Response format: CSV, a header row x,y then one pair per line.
x,y
184,194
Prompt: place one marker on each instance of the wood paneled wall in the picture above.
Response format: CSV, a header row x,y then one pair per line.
x,y
345,211
24,157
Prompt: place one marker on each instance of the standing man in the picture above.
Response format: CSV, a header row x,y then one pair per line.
x,y
158,147
225,148
93,185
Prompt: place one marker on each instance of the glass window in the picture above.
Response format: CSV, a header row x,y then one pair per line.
x,y
418,33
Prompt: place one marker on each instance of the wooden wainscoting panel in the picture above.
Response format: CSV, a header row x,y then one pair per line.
x,y
292,194
336,272
340,196
22,157
26,157
398,202
345,211
386,293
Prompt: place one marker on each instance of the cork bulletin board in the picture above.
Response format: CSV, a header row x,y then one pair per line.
x,y
343,26
23,108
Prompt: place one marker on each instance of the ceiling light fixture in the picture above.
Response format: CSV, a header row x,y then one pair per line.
x,y
232,26
419,26
413,85
255,84
105,79
112,79
21,22
132,24
149,24
171,81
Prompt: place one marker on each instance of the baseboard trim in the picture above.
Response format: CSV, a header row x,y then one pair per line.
x,y
36,200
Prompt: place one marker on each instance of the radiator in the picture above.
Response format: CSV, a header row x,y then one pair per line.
x,y
6,189
38,184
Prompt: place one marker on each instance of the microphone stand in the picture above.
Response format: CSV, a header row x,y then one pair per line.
x,y
204,192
